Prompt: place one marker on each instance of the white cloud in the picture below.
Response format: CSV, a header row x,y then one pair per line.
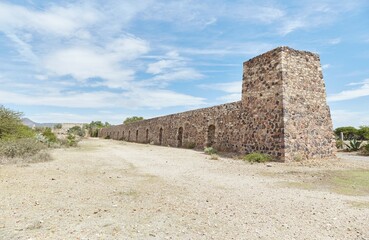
x,y
68,117
135,98
349,118
334,41
170,69
233,90
55,20
228,87
314,13
162,65
83,63
351,94
326,66
227,48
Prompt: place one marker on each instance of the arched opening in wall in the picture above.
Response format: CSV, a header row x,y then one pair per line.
x,y
147,135
118,136
180,137
160,136
129,135
211,136
136,135
123,135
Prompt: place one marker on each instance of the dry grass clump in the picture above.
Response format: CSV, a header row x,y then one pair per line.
x,y
257,157
24,150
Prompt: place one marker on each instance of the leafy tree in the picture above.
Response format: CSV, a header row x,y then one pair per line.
x,y
132,119
363,132
11,126
94,127
348,132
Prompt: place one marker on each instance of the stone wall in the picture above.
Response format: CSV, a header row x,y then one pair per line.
x,y
283,112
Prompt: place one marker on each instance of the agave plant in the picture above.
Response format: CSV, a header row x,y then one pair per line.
x,y
354,145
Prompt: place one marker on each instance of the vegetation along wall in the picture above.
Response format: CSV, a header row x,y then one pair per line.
x,y
283,112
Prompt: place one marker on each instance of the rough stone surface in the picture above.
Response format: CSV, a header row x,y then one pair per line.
x,y
283,112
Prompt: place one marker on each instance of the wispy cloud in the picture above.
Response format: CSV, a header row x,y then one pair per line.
x,y
362,91
314,13
349,118
233,90
84,63
137,98
59,20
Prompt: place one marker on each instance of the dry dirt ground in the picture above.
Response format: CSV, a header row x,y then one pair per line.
x,y
107,189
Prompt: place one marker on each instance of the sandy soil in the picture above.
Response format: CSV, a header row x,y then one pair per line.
x,y
115,190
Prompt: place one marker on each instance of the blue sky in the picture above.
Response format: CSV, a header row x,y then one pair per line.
x,y
78,61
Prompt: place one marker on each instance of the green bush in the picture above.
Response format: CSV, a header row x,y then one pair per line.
x,y
339,144
58,126
353,145
210,150
365,149
22,148
49,135
132,119
71,140
257,157
76,130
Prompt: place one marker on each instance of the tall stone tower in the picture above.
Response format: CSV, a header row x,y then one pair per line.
x,y
284,106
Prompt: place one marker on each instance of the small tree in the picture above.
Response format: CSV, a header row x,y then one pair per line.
x,y
11,126
132,119
94,126
363,132
348,132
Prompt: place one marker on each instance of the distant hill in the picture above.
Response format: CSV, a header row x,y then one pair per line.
x,y
28,122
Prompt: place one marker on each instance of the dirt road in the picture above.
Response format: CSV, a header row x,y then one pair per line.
x,y
115,190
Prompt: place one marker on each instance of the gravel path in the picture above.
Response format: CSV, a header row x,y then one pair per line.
x,y
116,190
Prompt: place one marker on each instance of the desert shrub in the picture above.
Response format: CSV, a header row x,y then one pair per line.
x,y
76,130
339,144
49,135
365,149
353,145
22,148
94,127
71,140
210,150
257,157
107,137
58,126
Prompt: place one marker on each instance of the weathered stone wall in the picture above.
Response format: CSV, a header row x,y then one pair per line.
x,y
283,112
197,129
308,129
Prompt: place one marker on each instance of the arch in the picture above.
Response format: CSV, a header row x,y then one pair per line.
x,y
211,136
160,136
180,137
123,135
147,135
129,135
137,135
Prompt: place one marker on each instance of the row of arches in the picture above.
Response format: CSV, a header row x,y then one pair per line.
x,y
210,140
